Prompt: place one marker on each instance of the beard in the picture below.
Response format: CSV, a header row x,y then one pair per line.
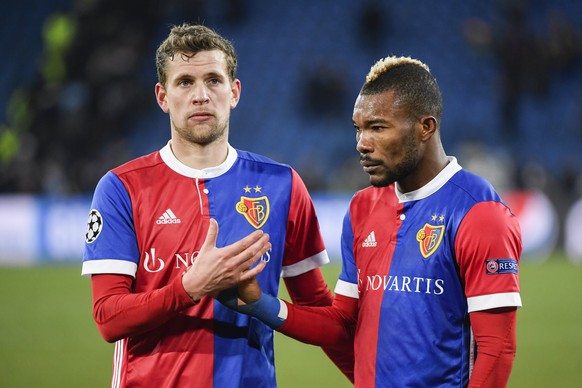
x,y
203,134
406,166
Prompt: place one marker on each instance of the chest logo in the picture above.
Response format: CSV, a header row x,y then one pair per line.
x,y
429,238
255,210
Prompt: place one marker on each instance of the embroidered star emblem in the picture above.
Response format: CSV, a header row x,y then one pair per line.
x,y
247,189
434,217
441,218
257,189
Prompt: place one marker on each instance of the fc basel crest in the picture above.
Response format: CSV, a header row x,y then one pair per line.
x,y
429,237
255,210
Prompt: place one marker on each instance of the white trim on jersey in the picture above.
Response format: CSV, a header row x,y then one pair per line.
x,y
121,267
170,159
305,265
347,289
434,185
486,302
283,310
118,363
472,349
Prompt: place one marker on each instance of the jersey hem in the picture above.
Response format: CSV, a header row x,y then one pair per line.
x,y
109,266
305,265
346,289
486,302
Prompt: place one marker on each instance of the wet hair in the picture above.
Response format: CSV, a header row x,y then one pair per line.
x,y
414,86
189,40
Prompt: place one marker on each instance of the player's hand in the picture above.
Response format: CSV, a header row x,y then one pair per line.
x,y
216,269
249,291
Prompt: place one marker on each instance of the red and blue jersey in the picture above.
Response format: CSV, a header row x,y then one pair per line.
x,y
419,263
149,219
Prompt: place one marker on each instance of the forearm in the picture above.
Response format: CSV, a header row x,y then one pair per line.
x,y
321,326
494,332
119,313
310,289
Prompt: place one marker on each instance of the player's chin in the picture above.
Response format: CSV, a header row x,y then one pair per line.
x,y
378,180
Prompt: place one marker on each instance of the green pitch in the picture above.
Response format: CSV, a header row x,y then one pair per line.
x,y
48,338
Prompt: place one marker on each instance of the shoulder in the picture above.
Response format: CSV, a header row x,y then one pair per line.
x,y
249,161
252,158
143,162
367,200
474,187
373,193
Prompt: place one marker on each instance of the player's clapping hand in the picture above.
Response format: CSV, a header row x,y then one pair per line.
x,y
216,269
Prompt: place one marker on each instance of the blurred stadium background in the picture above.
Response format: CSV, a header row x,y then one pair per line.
x,y
76,98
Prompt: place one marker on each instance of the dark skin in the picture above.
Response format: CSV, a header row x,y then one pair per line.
x,y
394,146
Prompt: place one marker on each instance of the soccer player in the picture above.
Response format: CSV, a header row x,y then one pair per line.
x,y
170,229
430,253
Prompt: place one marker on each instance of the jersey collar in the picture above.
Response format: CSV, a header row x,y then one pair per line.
x,y
434,185
211,172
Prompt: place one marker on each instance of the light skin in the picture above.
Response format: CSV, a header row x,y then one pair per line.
x,y
198,96
216,269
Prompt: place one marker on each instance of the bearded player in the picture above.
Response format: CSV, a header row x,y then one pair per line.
x,y
429,286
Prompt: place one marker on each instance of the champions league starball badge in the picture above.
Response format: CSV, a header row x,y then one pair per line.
x,y
94,226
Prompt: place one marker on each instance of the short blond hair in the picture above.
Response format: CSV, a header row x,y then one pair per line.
x,y
384,64
410,80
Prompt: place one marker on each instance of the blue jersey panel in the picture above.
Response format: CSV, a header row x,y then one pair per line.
x,y
265,188
349,270
117,239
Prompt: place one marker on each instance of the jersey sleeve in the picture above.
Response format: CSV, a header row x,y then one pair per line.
x,y
488,249
110,241
347,283
304,247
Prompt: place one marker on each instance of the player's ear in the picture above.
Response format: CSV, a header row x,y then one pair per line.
x,y
161,97
429,127
235,91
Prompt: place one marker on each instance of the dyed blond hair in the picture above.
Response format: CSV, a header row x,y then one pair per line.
x,y
413,85
386,63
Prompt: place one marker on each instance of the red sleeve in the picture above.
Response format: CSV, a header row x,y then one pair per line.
x,y
310,289
303,239
322,326
488,238
494,331
119,313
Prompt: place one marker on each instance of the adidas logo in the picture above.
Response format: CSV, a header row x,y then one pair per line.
x,y
370,241
168,218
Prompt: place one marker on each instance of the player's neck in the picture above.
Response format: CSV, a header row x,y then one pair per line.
x,y
200,156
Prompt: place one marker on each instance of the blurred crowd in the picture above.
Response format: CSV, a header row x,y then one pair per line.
x,y
82,111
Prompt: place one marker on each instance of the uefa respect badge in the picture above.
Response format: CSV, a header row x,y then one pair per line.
x,y
501,266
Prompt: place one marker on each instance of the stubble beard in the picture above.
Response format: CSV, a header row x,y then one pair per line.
x,y
200,135
407,165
